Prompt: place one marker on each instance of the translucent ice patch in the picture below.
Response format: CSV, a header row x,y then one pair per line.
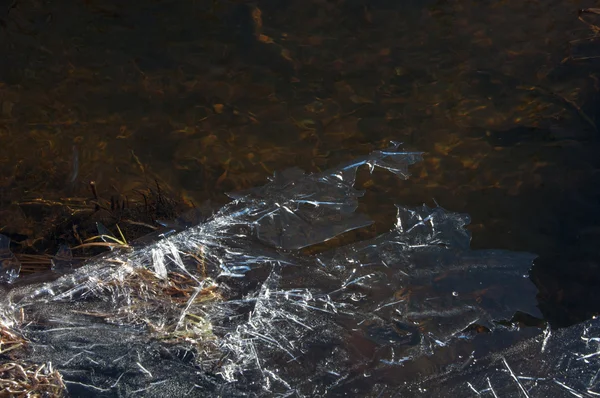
x,y
231,307
9,264
296,209
63,260
562,363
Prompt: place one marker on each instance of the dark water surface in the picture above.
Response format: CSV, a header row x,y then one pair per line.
x,y
210,96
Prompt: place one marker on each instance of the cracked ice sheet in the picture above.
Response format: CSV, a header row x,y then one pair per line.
x,y
408,294
421,278
295,209
562,363
283,323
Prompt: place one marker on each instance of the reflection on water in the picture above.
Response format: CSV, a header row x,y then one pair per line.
x,y
209,96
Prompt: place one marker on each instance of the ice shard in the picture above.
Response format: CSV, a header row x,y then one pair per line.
x,y
9,264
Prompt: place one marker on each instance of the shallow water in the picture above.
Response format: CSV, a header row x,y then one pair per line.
x,y
213,96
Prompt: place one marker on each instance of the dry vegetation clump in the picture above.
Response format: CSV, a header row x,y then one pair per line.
x,y
20,379
170,308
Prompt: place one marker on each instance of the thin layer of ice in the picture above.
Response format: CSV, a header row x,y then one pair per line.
x,y
562,363
295,209
220,308
9,264
63,260
422,278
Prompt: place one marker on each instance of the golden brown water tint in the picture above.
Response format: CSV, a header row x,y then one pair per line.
x,y
211,96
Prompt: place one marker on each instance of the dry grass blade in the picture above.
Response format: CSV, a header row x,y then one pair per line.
x,y
9,340
115,242
32,263
30,381
100,244
587,11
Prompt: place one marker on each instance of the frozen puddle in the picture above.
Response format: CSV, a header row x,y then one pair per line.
x,y
231,307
